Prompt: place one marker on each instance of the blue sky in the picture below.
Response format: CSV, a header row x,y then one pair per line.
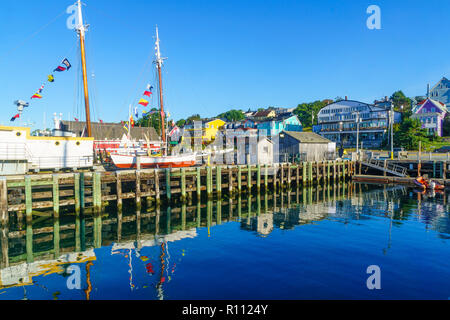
x,y
222,54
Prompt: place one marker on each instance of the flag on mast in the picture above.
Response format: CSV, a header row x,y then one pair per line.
x,y
15,117
36,96
143,102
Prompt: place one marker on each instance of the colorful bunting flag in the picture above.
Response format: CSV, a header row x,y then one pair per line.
x,y
15,117
127,127
67,64
51,78
76,119
148,93
136,113
131,121
36,96
149,88
143,102
59,69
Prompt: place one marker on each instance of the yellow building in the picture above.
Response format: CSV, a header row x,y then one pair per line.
x,y
209,130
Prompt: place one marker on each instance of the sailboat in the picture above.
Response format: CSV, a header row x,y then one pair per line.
x,y
21,152
164,160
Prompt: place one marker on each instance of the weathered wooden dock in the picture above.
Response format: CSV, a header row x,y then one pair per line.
x,y
23,194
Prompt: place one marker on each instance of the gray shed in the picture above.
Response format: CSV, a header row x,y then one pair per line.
x,y
305,146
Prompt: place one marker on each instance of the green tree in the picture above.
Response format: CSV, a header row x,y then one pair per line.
x,y
446,126
305,111
409,133
194,117
232,115
151,119
180,123
400,100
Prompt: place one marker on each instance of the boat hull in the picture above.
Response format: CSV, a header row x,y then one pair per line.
x,y
130,162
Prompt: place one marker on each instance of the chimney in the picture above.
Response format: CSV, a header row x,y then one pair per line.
x,y
346,98
428,90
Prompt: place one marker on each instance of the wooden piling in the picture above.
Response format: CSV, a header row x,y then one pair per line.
x,y
119,191
304,176
138,189
97,191
76,190
230,181
199,186
266,178
249,178
183,185
219,181
168,187
289,176
239,179
258,178
28,199
4,201
56,195
209,182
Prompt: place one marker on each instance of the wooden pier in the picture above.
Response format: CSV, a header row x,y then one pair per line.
x,y
75,191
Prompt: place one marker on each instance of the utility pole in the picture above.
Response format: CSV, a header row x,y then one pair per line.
x,y
357,133
391,120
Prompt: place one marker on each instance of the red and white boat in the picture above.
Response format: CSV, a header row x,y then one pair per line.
x,y
130,161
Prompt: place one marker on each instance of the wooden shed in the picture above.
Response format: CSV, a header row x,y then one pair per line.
x,y
305,146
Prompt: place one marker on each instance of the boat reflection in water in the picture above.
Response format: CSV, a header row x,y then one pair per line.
x,y
162,253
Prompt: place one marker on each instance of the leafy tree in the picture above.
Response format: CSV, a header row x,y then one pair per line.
x,y
446,126
305,111
151,120
181,123
232,115
409,133
194,117
399,99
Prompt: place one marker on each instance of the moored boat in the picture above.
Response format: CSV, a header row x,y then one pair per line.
x,y
130,161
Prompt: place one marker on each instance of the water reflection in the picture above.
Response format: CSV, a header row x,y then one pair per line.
x,y
49,245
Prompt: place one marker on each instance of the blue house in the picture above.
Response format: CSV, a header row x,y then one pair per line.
x,y
285,121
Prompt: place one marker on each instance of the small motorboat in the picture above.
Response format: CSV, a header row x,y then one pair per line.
x,y
433,185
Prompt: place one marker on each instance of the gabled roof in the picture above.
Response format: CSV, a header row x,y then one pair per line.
x,y
307,137
263,113
441,106
110,131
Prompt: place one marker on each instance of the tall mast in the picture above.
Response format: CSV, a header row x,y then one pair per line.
x,y
159,62
81,28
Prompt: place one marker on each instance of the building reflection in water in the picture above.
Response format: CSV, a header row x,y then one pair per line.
x,y
50,245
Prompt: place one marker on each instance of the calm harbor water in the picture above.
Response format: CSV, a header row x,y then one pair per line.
x,y
313,243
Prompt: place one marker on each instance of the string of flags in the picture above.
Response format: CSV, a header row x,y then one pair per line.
x,y
63,66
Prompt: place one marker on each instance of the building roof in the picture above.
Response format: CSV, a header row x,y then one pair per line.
x,y
263,113
307,137
441,106
110,131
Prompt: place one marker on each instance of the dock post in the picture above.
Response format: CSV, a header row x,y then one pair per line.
x,y
168,187
328,170
56,195
199,186
183,185
97,191
297,178
343,169
310,172
4,202
208,182
384,166
183,216
289,176
138,188
119,192
282,177
304,178
239,179
82,193
266,178
419,158
230,181
28,198
157,189
444,170
334,170
258,178
249,178
76,190
138,163
318,171
219,181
